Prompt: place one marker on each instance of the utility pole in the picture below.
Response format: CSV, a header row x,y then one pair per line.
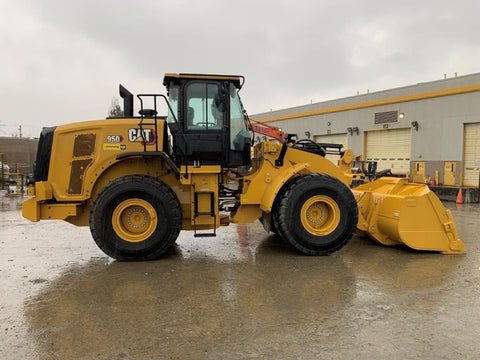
x,y
2,170
20,130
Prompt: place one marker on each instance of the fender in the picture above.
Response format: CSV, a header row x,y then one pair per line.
x,y
276,184
263,189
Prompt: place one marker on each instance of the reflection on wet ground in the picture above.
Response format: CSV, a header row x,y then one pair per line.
x,y
10,202
241,295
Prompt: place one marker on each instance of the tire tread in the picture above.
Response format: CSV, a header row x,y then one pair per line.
x,y
284,221
138,181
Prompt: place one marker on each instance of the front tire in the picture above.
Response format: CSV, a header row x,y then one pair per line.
x,y
135,218
317,214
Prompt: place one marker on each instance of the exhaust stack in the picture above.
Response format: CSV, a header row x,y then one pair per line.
x,y
127,97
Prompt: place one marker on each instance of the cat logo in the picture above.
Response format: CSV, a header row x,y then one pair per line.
x,y
135,135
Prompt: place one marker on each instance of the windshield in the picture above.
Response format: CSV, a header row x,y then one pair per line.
x,y
237,119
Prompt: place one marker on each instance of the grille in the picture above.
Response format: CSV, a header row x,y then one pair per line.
x,y
386,117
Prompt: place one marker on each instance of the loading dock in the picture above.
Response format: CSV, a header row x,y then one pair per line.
x,y
332,139
390,149
471,155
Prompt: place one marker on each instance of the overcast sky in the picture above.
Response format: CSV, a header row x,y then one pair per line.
x,y
62,61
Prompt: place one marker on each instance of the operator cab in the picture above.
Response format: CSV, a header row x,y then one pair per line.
x,y
207,120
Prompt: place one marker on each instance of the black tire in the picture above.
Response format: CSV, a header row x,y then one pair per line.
x,y
271,226
275,214
135,218
276,220
317,214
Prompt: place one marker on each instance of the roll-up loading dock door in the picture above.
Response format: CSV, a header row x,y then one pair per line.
x,y
333,139
471,154
390,149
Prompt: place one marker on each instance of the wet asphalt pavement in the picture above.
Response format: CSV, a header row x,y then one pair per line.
x,y
241,295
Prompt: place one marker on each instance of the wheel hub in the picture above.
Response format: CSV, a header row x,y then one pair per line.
x,y
134,220
320,215
315,213
136,217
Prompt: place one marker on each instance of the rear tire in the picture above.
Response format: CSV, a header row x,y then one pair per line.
x,y
317,214
135,218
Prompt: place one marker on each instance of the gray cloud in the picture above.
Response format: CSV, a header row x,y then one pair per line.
x,y
62,60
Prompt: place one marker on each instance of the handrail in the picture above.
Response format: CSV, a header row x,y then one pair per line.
x,y
139,96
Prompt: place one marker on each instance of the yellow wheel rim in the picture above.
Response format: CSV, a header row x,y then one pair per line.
x,y
134,220
320,215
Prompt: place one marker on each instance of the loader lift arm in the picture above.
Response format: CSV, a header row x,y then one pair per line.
x,y
267,130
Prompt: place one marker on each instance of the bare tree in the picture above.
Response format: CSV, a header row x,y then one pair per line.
x,y
115,109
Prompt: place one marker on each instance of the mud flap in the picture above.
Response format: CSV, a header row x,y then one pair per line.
x,y
393,211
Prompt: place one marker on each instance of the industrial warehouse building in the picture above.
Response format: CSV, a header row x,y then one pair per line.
x,y
427,130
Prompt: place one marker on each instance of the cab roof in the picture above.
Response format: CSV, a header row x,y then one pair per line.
x,y
236,80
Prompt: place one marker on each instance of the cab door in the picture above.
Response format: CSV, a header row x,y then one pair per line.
x,y
204,122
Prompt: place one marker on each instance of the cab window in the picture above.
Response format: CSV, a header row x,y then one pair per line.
x,y
205,108
238,128
173,100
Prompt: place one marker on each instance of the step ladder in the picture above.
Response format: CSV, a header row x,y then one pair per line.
x,y
211,213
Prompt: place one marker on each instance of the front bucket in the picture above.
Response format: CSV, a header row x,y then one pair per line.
x,y
393,211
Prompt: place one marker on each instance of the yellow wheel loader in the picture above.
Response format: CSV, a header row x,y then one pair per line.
x,y
138,180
